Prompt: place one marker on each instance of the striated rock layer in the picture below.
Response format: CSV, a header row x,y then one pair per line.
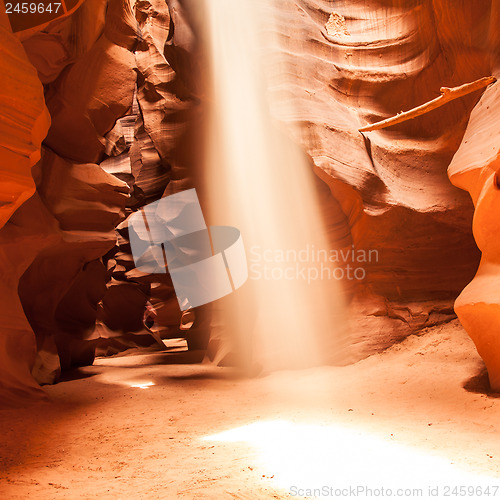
x,y
392,184
354,62
102,158
53,278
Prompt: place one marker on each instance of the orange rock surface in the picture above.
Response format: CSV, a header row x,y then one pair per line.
x,y
24,121
474,168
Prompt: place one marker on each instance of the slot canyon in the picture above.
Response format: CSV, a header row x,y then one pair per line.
x,y
250,249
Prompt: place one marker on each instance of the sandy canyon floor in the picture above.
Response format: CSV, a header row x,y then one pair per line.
x,y
414,417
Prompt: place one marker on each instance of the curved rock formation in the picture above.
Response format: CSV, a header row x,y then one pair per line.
x,y
390,57
87,204
24,121
356,62
23,125
70,222
475,169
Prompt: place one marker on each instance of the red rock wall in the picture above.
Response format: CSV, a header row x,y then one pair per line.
x,y
53,242
24,123
375,59
392,56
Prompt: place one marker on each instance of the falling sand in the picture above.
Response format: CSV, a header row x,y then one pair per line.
x,y
259,181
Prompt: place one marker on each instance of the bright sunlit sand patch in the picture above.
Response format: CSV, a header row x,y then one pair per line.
x,y
314,456
142,385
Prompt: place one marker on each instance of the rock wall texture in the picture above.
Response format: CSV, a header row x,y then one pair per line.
x,y
97,89
23,125
116,93
357,62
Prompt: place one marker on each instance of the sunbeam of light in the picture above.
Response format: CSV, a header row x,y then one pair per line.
x,y
142,385
314,456
258,180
